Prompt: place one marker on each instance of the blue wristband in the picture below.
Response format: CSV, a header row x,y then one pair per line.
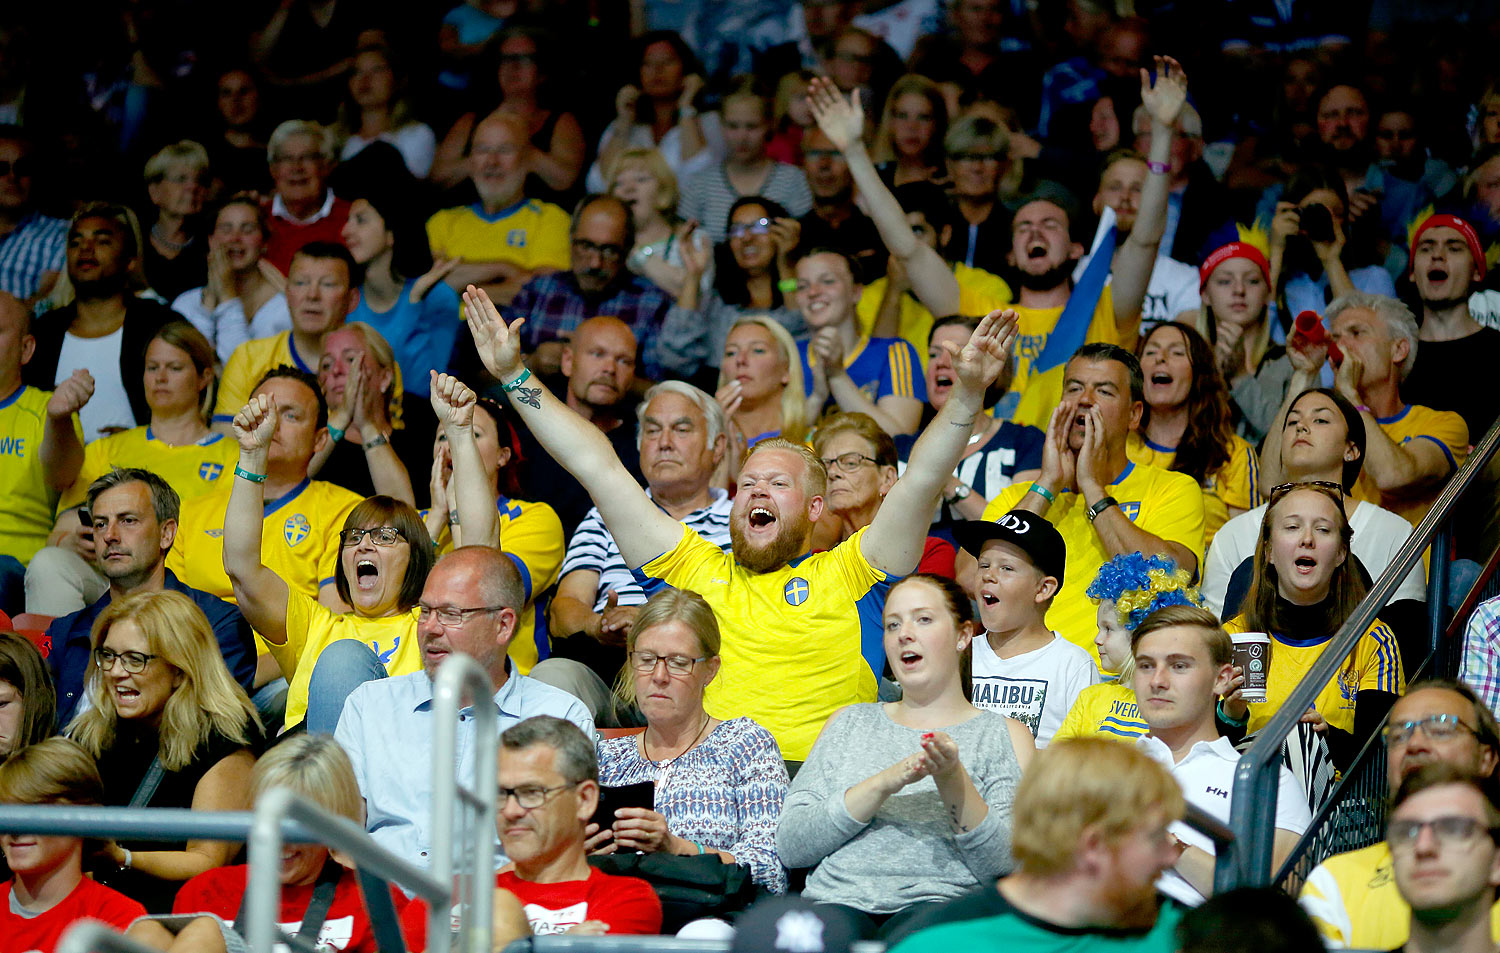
x,y
1043,492
335,434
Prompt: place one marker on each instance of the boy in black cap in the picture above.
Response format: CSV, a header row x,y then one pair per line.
x,y
1021,668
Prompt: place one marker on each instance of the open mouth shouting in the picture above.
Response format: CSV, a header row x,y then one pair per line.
x,y
760,518
366,574
1304,565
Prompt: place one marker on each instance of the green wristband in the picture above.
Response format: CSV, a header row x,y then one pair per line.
x,y
335,434
1224,715
787,285
1043,492
244,474
515,385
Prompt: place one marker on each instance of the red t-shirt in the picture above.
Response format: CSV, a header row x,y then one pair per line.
x,y
347,926
938,558
626,904
90,900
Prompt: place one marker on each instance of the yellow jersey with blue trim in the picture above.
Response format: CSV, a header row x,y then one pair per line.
x,y
1041,390
1374,666
311,628
1109,710
1414,422
192,470
532,536
979,293
299,538
30,504
248,364
530,234
798,642
1165,504
1237,484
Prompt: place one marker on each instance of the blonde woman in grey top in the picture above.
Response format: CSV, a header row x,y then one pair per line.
x,y
937,822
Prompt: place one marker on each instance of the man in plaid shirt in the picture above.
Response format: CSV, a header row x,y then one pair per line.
x,y
31,244
598,284
1481,666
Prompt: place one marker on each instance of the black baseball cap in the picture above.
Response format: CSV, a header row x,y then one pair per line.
x,y
790,924
1026,531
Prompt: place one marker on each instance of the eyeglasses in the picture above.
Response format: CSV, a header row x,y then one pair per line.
x,y
21,168
517,58
974,156
582,246
1437,728
848,462
379,535
451,618
821,154
1451,831
299,158
645,662
761,226
1282,489
529,796
134,663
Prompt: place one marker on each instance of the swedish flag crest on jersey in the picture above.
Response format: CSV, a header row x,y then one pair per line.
x,y
1131,509
796,591
209,471
296,529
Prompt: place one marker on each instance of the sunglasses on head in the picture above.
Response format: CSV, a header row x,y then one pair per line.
x,y
1327,486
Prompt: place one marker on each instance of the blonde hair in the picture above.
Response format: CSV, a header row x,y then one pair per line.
x,y
1218,643
793,404
385,356
652,162
815,483
185,151
669,605
314,766
190,341
205,702
1081,783
53,771
933,155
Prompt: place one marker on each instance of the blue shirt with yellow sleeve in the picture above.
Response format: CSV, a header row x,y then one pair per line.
x,y
798,643
1165,504
299,538
879,367
248,364
1444,428
30,504
532,536
191,470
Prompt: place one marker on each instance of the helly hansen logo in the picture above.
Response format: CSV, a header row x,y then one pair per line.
x,y
1217,792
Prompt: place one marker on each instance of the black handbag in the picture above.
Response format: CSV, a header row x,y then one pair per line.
x,y
688,887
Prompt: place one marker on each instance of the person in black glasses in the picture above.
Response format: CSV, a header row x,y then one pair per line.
x,y
1352,897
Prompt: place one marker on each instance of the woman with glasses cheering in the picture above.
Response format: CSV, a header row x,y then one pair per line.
x,y
384,557
169,728
861,462
1304,588
719,784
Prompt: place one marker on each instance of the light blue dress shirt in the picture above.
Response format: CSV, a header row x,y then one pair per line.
x,y
388,728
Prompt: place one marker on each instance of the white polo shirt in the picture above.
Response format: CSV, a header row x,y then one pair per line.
x,y
1207,779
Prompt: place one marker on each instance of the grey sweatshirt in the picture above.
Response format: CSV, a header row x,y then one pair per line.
x,y
855,861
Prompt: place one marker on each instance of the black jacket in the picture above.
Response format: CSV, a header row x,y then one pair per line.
x,y
143,318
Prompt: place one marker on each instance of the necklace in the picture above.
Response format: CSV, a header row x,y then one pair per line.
x,y
165,242
696,738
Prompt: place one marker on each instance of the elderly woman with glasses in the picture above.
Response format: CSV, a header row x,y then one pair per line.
x,y
384,557
1303,590
719,784
861,462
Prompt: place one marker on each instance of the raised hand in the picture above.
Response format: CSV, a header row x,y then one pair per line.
x,y
437,485
1306,357
1347,378
71,395
786,233
730,396
829,348
440,269
981,360
695,258
1164,98
692,85
499,345
1285,223
453,402
354,404
625,101
842,120
273,277
255,425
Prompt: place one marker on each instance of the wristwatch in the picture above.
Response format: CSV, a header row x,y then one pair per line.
x,y
960,492
1103,504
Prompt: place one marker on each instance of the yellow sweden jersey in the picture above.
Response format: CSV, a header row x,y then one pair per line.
x,y
1107,709
979,293
192,470
310,628
1041,391
1376,666
1237,484
532,536
1353,901
799,642
247,365
1165,504
30,504
299,539
1442,427
530,234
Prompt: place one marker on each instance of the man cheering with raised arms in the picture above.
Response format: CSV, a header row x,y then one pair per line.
x,y
801,633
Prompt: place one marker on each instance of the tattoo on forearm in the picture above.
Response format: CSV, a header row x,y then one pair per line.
x,y
956,820
966,424
530,396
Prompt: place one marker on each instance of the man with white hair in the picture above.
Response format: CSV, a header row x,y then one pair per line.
x,y
1411,450
302,208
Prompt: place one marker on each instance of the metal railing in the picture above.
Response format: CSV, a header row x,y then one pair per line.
x,y
1247,861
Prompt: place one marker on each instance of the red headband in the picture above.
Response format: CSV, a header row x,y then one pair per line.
x,y
1471,237
1233,250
